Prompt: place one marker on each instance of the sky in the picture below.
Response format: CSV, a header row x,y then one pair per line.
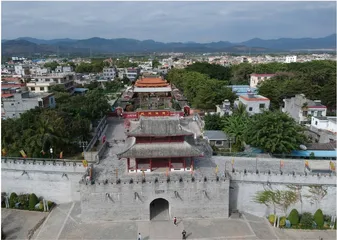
x,y
168,21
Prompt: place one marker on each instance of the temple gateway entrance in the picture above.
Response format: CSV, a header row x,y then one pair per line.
x,y
159,210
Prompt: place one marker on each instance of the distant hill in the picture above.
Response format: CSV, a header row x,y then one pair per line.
x,y
27,45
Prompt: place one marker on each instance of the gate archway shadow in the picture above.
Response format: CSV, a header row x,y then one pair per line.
x,y
159,209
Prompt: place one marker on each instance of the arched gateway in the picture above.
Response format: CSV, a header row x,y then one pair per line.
x,y
159,209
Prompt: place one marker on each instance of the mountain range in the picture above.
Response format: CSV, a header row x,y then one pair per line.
x,y
28,46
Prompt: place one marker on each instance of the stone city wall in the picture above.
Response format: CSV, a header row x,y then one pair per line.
x,y
131,201
268,164
245,186
58,183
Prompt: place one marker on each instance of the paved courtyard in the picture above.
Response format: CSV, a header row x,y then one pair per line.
x,y
64,222
17,223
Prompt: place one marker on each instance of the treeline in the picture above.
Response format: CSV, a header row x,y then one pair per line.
x,y
315,79
200,90
271,131
61,128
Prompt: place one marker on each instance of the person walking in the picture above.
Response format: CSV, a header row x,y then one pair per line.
x,y
139,237
175,221
184,234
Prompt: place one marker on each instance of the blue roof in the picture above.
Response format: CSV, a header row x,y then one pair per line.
x,y
318,153
239,86
80,89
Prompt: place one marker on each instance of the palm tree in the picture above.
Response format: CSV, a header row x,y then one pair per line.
x,y
236,127
241,110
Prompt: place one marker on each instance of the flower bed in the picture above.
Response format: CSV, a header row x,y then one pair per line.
x,y
304,221
25,202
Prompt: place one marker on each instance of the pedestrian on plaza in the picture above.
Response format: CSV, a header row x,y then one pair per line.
x,y
175,221
139,237
184,234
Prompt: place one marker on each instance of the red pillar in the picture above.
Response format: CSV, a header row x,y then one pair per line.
x,y
150,164
128,164
184,164
136,165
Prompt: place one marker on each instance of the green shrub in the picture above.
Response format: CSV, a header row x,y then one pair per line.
x,y
306,220
327,218
271,218
24,200
283,221
13,199
293,217
41,206
50,204
319,218
33,200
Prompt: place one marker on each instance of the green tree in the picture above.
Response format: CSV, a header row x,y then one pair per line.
x,y
275,132
241,73
211,70
319,218
155,63
278,199
33,200
213,122
316,194
52,65
236,127
293,217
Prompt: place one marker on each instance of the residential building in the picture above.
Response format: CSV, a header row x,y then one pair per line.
x,y
324,123
39,71
254,103
217,139
13,105
290,59
132,73
19,70
44,83
255,78
302,109
109,73
224,109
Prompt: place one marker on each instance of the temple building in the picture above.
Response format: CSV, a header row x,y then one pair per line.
x,y
148,93
159,144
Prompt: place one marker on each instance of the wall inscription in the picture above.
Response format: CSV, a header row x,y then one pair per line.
x,y
159,191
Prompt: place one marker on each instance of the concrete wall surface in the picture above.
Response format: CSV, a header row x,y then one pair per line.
x,y
58,183
266,164
132,201
245,186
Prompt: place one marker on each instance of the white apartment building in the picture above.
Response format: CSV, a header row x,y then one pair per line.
x,y
131,73
255,78
44,83
254,103
325,123
109,73
300,108
39,71
19,70
290,59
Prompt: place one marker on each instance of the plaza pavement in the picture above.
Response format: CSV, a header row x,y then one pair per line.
x,y
16,224
64,222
